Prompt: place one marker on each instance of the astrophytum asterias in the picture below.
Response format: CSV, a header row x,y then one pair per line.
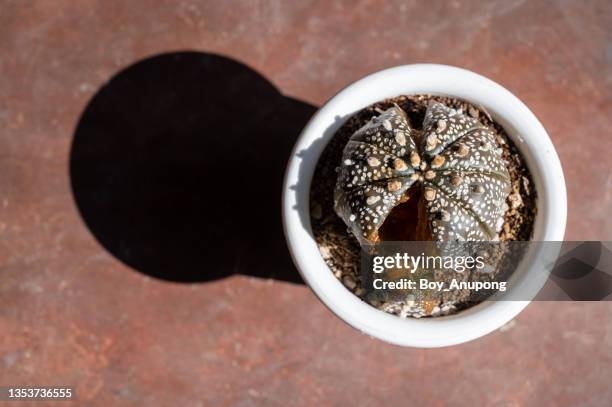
x,y
457,166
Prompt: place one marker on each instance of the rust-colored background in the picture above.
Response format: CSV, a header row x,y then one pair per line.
x,y
71,313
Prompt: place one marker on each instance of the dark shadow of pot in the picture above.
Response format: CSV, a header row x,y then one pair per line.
x,y
177,166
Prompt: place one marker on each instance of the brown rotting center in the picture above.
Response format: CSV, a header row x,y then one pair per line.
x,y
408,220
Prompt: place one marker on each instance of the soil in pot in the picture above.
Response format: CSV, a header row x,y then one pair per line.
x,y
341,250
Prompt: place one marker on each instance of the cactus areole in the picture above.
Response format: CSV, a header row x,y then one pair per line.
x,y
447,182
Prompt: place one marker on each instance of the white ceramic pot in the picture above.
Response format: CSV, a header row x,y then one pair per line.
x,y
533,142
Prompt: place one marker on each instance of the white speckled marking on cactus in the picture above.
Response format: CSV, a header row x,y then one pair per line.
x,y
464,179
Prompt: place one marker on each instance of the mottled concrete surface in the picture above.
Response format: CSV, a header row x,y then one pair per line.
x,y
73,312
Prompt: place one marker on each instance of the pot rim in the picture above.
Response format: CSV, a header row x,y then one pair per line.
x,y
522,127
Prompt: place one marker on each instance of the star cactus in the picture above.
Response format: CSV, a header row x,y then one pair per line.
x,y
452,168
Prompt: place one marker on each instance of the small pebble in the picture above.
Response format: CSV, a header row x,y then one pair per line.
x,y
325,252
349,282
515,200
526,184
